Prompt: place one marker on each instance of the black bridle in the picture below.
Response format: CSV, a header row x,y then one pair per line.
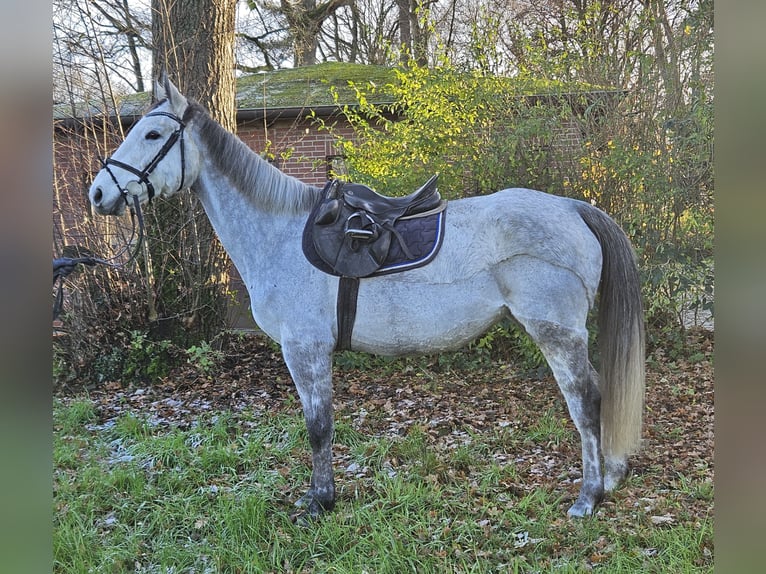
x,y
63,266
143,175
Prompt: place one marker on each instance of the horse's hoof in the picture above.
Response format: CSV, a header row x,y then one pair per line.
x,y
616,471
303,518
310,508
580,510
305,501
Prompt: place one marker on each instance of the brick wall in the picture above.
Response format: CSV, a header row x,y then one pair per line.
x,y
76,160
299,148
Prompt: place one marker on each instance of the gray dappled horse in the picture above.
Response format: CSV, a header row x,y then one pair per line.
x,y
533,256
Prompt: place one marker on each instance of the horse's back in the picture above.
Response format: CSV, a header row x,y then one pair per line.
x,y
485,230
517,251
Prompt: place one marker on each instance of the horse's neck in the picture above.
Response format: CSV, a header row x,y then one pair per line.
x,y
251,204
247,231
268,188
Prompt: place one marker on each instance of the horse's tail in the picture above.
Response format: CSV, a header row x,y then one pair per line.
x,y
621,337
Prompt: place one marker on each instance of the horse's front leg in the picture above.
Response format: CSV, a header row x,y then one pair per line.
x,y
310,364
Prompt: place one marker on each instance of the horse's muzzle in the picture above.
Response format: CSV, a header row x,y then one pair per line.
x,y
104,205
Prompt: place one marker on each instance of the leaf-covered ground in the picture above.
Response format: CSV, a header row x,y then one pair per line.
x,y
444,409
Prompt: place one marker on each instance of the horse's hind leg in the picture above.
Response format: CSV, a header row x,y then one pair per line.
x,y
310,366
615,471
566,351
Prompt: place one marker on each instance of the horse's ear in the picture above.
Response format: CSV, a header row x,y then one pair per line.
x,y
177,101
159,93
164,89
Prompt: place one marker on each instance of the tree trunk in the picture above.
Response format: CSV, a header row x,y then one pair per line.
x,y
194,45
413,36
305,19
405,32
132,36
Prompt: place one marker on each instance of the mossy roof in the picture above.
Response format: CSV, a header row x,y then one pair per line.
x,y
309,86
321,85
303,87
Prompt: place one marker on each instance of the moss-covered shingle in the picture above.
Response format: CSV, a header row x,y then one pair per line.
x,y
308,86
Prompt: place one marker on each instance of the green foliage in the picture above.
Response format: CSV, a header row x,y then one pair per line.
x,y
109,366
505,342
76,415
147,360
350,360
508,340
479,132
652,173
62,371
137,358
552,428
203,357
663,197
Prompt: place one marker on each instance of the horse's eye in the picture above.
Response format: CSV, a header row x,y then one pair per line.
x,y
153,135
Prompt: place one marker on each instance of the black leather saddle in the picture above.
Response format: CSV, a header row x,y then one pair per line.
x,y
354,231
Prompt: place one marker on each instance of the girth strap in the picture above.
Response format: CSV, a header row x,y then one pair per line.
x,y
348,290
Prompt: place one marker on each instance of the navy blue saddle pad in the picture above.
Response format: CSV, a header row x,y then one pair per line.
x,y
422,234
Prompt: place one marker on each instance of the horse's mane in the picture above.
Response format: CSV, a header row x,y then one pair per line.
x,y
267,186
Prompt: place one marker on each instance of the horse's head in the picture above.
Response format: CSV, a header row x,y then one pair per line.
x,y
154,159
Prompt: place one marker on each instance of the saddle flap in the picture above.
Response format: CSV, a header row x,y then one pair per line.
x,y
350,255
328,212
354,232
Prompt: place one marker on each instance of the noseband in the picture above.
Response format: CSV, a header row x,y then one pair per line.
x,y
143,175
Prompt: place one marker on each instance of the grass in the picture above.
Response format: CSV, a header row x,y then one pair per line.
x,y
131,496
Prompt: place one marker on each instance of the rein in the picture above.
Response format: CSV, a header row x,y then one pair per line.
x,y
63,266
